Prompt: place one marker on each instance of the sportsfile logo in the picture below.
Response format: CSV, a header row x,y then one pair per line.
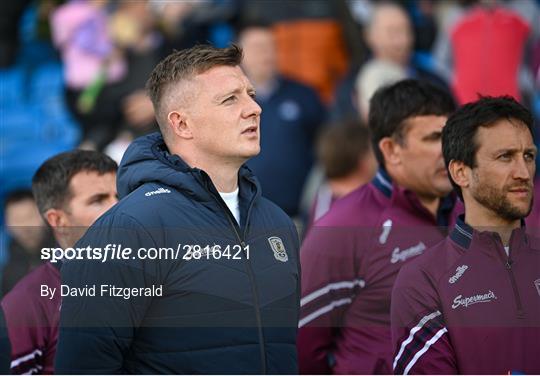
x,y
460,301
158,191
459,272
415,250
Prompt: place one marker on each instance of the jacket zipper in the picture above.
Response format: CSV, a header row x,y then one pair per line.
x,y
234,225
508,265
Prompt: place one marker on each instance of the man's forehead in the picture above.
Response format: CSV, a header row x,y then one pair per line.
x,y
504,134
425,123
88,182
223,72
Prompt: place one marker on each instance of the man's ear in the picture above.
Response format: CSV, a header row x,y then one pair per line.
x,y
391,151
460,173
55,218
179,125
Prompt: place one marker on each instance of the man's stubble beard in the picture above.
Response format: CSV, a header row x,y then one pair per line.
x,y
497,201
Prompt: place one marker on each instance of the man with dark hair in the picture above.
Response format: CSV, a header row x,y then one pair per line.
x,y
437,325
351,257
346,158
223,293
71,190
28,234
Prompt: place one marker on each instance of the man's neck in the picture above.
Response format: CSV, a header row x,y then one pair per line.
x,y
224,174
225,180
483,219
430,203
342,186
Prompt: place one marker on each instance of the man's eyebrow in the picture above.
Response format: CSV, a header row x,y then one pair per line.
x,y
514,150
432,135
237,90
97,197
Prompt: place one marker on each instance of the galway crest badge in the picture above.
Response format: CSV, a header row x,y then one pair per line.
x,y
279,248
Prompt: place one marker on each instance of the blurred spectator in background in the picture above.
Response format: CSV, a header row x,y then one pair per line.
x,y
482,49
390,38
309,37
35,122
72,190
80,30
346,158
187,23
28,236
373,75
291,116
107,49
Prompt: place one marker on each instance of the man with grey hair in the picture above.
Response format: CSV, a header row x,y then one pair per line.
x,y
210,278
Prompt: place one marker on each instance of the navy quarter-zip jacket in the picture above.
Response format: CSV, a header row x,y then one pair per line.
x,y
233,311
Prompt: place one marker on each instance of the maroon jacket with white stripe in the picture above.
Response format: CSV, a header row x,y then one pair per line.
x,y
466,306
350,259
32,321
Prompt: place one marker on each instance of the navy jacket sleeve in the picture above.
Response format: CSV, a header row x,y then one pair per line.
x,y
97,331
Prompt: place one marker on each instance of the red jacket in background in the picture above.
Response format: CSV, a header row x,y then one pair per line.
x,y
488,46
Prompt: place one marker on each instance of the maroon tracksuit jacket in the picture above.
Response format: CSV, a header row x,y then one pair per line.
x,y
466,306
350,259
32,321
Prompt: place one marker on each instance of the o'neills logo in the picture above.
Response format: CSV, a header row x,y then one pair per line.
x,y
460,301
415,250
459,272
157,192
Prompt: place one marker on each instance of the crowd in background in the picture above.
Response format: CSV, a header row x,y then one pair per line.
x,y
72,74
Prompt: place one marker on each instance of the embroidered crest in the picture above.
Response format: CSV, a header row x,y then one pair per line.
x,y
279,248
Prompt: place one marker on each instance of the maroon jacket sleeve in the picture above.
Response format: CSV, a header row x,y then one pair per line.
x,y
31,348
419,335
329,283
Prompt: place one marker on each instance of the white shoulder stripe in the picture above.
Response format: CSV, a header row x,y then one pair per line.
x,y
33,371
331,286
25,358
323,310
426,347
409,339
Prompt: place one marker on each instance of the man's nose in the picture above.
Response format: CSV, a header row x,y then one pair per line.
x,y
522,169
252,108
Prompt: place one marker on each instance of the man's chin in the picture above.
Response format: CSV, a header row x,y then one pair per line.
x,y
444,190
252,153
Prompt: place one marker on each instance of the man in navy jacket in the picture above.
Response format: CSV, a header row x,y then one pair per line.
x,y
471,304
201,272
